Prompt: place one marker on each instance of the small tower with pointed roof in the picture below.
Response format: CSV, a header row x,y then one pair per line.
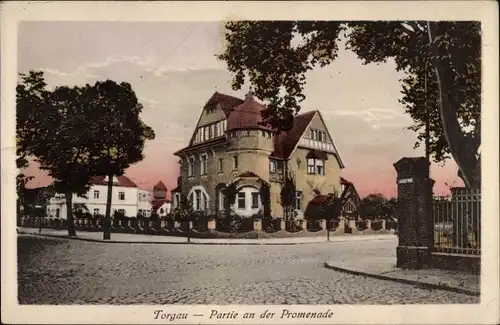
x,y
159,191
245,130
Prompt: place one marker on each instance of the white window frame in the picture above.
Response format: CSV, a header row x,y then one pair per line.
x,y
221,200
197,199
275,166
121,196
241,196
191,162
320,164
203,164
255,195
96,211
311,166
177,200
221,165
314,165
204,197
204,201
96,194
272,166
217,128
235,162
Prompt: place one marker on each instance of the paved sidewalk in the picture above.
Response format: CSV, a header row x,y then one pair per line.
x,y
158,239
385,268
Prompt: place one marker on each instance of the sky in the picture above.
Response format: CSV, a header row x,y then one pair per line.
x,y
173,69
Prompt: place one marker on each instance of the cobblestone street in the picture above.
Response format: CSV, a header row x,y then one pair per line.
x,y
62,271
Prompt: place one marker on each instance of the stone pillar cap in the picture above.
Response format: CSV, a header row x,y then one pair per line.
x,y
412,161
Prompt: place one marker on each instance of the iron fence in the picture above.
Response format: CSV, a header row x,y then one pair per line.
x,y
457,222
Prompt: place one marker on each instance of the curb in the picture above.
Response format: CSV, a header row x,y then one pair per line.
x,y
424,285
185,243
162,242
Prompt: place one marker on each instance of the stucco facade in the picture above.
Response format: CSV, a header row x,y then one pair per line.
x,y
229,145
126,198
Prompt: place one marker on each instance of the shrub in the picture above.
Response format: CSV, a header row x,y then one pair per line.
x,y
376,224
313,225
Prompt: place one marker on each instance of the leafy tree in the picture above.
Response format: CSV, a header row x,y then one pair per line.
x,y
274,56
53,126
229,192
376,206
327,207
265,198
123,134
21,181
288,193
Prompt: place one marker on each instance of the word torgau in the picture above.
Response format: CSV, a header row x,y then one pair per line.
x,y
159,314
216,314
288,314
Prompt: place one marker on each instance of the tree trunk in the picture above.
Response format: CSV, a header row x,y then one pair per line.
x,y
107,216
462,151
69,215
109,197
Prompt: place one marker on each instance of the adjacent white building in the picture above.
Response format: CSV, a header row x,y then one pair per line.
x,y
126,198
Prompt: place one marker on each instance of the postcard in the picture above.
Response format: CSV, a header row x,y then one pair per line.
x,y
250,162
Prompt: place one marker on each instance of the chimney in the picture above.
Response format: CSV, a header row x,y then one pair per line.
x,y
249,95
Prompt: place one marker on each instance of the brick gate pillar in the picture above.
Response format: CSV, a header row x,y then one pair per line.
x,y
414,214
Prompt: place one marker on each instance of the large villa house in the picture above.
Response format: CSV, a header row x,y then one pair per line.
x,y
230,145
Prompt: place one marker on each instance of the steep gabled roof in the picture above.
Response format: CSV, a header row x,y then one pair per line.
x,y
351,188
226,102
245,114
286,142
123,181
344,181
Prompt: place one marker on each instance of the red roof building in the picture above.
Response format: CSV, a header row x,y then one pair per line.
x,y
123,181
231,144
247,116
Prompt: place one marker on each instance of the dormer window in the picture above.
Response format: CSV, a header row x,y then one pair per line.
x,y
275,166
